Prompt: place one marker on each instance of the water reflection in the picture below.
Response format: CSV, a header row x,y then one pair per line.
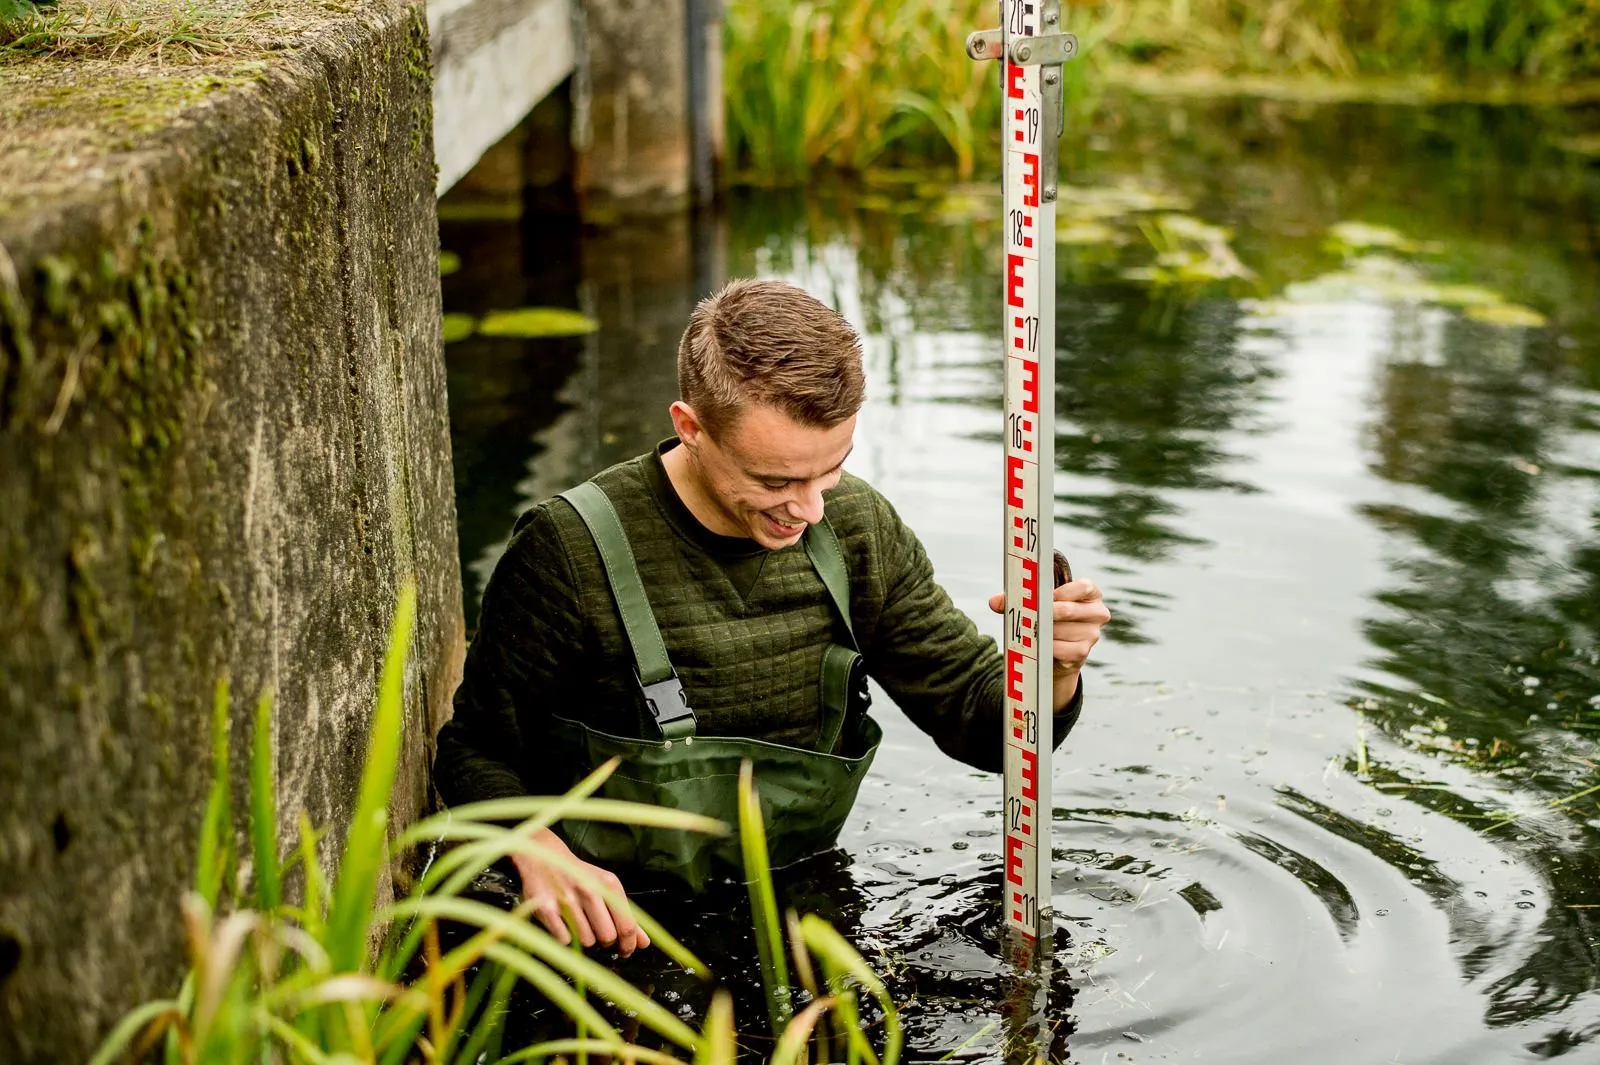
x,y
1352,539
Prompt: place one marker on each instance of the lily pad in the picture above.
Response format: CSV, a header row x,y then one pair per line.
x,y
527,322
1512,314
458,327
1348,237
1086,232
1584,144
1087,203
966,204
449,263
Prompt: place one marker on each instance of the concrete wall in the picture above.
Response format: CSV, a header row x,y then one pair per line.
x,y
493,61
623,64
223,446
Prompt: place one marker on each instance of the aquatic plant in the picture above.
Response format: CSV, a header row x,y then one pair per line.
x,y
336,971
1535,39
850,85
857,84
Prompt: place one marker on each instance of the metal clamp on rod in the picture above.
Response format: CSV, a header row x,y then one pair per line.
x,y
1049,50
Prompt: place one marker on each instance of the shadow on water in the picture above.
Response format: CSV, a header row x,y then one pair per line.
x,y
1331,800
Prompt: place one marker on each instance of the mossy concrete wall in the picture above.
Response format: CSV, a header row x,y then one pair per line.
x,y
223,447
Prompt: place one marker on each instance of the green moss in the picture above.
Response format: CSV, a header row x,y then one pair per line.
x,y
418,55
86,598
55,277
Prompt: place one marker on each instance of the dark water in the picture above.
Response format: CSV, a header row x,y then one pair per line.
x,y
1351,535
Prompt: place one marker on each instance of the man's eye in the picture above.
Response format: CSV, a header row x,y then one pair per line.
x,y
774,485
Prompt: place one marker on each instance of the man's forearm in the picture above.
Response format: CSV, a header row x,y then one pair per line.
x,y
1066,689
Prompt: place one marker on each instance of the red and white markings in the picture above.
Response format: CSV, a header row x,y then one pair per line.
x,y
1029,446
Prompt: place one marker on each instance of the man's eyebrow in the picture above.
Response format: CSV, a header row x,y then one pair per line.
x,y
785,478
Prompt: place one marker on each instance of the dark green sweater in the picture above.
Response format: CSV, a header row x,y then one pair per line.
x,y
745,627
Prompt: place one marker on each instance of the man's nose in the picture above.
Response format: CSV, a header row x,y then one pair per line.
x,y
808,504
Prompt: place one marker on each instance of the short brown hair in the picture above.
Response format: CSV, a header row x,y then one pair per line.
x,y
769,342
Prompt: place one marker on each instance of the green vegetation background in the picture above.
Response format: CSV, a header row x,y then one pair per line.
x,y
854,84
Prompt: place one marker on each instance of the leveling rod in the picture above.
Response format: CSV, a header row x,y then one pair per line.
x,y
1031,50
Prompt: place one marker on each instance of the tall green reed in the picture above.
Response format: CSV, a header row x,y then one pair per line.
x,y
854,85
1461,39
340,975
847,85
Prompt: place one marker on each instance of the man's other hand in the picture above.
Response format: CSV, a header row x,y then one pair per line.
x,y
1078,615
552,891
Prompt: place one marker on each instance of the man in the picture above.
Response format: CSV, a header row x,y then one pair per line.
x,y
713,601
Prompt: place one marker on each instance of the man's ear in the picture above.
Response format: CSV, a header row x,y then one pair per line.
x,y
686,423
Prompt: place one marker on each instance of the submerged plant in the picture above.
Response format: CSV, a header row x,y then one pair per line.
x,y
334,971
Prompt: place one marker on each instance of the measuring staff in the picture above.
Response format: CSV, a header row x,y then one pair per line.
x,y
723,597
1031,50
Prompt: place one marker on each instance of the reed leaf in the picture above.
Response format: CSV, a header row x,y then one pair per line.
x,y
718,1045
841,960
146,1022
559,1048
216,831
487,998
315,887
548,809
763,901
263,809
791,1048
542,946
365,845
548,982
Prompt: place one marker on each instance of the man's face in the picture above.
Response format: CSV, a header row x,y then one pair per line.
x,y
765,474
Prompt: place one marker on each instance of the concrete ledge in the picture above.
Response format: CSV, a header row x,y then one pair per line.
x,y
493,61
223,446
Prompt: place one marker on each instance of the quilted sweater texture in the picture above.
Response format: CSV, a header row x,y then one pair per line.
x,y
749,653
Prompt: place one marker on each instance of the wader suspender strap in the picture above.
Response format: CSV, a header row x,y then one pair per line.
x,y
827,558
663,692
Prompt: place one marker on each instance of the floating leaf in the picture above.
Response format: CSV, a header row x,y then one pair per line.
x,y
1461,295
449,263
458,327
1512,314
1347,237
537,322
1584,144
1088,203
1086,232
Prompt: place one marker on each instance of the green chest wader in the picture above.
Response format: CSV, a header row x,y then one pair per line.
x,y
806,795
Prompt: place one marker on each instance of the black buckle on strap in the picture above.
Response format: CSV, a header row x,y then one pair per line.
x,y
666,701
